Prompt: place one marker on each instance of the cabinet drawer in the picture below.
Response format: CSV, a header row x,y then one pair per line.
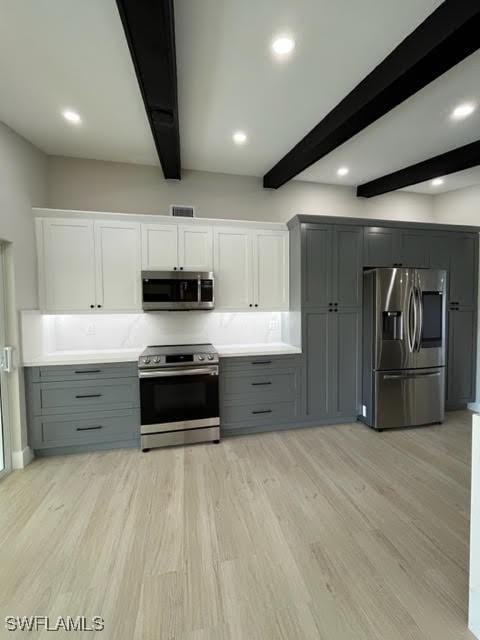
x,y
73,397
102,426
265,386
63,373
261,363
260,413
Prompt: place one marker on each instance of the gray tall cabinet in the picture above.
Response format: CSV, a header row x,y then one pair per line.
x,y
327,259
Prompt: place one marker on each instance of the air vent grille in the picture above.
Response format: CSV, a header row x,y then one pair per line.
x,y
182,211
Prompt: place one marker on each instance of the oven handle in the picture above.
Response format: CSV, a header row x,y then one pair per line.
x,y
168,373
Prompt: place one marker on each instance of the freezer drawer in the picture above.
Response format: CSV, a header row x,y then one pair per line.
x,y
409,397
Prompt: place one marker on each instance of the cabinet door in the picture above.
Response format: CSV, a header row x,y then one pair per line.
x,y
347,266
160,247
318,357
317,260
461,358
117,247
382,247
415,249
195,247
69,253
270,273
345,363
233,268
463,270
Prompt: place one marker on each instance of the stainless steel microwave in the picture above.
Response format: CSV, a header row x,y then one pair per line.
x,y
177,290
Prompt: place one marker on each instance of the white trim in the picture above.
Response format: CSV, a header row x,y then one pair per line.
x,y
20,459
153,218
474,406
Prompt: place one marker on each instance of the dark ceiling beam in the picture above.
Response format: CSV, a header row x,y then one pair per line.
x,y
447,36
450,162
150,31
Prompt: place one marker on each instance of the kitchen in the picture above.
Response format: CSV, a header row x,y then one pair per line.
x,y
253,373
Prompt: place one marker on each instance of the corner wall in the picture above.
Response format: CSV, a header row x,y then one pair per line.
x,y
23,184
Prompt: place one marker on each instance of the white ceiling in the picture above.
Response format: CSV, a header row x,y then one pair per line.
x,y
60,54
57,54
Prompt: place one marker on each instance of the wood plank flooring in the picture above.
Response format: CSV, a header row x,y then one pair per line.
x,y
333,533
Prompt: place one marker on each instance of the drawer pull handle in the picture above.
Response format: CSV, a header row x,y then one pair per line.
x,y
89,371
266,411
89,428
90,395
262,362
260,384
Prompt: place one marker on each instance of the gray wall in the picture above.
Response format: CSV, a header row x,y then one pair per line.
x,y
23,184
126,188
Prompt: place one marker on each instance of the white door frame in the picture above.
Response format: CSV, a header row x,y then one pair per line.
x,y
5,416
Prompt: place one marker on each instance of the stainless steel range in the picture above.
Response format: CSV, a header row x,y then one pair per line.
x,y
178,395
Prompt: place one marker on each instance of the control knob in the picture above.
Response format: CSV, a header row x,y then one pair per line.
x,y
210,356
146,361
201,358
157,361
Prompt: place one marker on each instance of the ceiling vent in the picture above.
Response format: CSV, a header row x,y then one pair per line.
x,y
182,211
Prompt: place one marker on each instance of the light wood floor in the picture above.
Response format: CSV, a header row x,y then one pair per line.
x,y
334,533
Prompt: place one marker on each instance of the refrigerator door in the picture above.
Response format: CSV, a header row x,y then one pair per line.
x,y
408,398
430,296
395,319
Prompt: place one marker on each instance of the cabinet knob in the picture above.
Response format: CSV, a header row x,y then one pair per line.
x,y
256,305
250,305
92,306
174,268
99,306
181,268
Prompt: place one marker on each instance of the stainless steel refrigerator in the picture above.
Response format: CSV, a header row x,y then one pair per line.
x,y
403,347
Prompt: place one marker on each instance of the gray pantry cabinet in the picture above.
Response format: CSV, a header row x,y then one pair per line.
x,y
75,408
327,258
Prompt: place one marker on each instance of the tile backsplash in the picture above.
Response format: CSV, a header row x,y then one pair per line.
x,y
45,334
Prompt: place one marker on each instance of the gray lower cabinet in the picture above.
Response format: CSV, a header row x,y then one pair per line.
x,y
260,393
461,361
332,355
73,408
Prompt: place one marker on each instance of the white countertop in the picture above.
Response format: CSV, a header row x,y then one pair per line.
x,y
131,355
268,349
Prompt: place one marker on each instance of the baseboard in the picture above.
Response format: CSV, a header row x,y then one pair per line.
x,y
474,406
20,459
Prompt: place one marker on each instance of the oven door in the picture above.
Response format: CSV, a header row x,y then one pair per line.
x,y
174,399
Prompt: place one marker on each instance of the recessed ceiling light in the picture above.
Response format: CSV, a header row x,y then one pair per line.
x,y
463,111
239,137
436,182
343,171
71,116
283,45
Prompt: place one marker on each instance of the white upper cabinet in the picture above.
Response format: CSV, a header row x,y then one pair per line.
x,y
195,248
159,247
94,264
117,247
233,268
67,272
270,253
170,247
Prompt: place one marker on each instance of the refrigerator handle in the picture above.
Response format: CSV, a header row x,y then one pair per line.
x,y
411,341
420,319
